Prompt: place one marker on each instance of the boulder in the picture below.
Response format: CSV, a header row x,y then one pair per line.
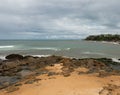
x,y
11,64
14,56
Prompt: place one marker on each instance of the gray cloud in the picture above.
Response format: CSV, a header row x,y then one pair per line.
x,y
57,19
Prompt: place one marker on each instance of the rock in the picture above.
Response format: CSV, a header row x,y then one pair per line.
x,y
110,90
51,73
12,89
1,61
32,81
9,64
18,84
66,74
103,74
24,73
14,56
4,84
18,67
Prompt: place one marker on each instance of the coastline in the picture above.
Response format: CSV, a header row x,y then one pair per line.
x,y
47,75
114,43
108,42
105,38
113,59
77,49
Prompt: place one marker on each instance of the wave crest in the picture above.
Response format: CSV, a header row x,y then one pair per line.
x,y
47,48
11,46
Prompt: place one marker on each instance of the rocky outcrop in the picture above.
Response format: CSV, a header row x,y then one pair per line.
x,y
104,37
17,67
110,89
14,56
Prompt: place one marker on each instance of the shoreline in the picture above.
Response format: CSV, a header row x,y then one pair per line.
x,y
19,72
113,59
114,43
109,42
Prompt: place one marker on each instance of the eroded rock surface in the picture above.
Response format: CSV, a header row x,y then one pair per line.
x,y
18,67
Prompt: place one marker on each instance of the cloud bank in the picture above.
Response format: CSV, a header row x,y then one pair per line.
x,y
58,19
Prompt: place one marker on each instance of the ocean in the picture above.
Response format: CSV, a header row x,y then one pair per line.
x,y
69,48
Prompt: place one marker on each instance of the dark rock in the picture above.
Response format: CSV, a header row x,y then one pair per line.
x,y
12,89
79,73
52,65
51,73
27,57
4,85
6,81
32,81
14,56
11,64
41,72
66,74
24,73
19,68
1,61
110,89
18,84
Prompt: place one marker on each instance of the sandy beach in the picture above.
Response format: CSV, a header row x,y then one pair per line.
x,y
75,84
59,47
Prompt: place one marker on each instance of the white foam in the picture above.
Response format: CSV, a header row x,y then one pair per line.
x,y
11,46
87,52
67,48
114,43
2,57
115,60
47,48
40,55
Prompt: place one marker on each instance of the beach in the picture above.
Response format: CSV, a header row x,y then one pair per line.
x,y
72,85
59,67
59,47
57,75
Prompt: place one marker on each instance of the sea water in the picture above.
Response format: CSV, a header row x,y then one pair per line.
x,y
69,48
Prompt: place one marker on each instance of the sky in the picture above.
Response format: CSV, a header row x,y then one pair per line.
x,y
58,19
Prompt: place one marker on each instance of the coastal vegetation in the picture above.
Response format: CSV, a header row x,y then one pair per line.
x,y
104,37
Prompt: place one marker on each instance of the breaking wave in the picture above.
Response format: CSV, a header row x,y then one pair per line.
x,y
52,48
90,53
11,46
47,48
